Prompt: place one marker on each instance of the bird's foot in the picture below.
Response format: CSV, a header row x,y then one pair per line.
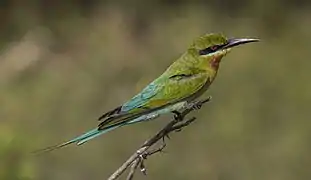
x,y
177,115
196,106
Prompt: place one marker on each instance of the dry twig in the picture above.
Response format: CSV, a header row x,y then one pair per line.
x,y
138,158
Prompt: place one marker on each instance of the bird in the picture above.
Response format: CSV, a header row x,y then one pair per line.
x,y
186,79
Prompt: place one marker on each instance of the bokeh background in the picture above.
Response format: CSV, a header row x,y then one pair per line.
x,y
63,63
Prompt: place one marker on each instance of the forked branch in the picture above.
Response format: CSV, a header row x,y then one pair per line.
x,y
137,159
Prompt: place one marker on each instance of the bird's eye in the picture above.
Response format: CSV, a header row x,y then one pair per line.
x,y
214,48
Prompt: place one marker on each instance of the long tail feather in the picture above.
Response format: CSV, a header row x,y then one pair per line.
x,y
97,132
78,140
94,133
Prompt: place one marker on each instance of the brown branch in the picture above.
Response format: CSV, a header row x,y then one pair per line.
x,y
137,159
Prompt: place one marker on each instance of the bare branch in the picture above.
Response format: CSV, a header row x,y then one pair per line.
x,y
133,169
137,159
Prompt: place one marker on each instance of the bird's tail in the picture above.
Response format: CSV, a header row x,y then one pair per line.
x,y
78,140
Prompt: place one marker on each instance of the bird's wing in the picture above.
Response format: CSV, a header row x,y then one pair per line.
x,y
160,93
134,104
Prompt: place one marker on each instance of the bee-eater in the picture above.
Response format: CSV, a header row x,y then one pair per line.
x,y
182,82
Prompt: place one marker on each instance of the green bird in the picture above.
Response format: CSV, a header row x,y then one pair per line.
x,y
183,81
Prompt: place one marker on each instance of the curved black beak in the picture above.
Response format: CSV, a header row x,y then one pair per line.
x,y
235,42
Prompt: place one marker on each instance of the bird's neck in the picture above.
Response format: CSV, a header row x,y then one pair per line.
x,y
190,62
214,63
209,64
214,66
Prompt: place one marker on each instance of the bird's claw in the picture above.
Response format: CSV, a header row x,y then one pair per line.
x,y
177,116
197,106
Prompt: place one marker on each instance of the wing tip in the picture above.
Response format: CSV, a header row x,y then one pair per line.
x,y
110,113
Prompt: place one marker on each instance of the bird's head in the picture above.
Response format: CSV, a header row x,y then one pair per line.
x,y
212,47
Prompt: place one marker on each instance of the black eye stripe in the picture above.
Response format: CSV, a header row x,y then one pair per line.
x,y
208,50
211,49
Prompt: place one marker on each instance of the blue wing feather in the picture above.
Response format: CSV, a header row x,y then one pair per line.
x,y
136,102
141,99
133,107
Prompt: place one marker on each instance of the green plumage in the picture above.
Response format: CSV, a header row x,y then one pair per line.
x,y
185,80
188,77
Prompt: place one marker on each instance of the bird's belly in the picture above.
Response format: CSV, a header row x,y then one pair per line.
x,y
173,107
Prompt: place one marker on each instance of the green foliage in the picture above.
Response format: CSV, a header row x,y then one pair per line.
x,y
63,64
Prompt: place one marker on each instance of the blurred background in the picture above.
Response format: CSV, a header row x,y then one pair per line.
x,y
63,63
